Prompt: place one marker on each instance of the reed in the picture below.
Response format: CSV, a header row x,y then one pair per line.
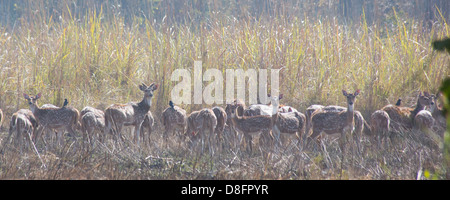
x,y
99,57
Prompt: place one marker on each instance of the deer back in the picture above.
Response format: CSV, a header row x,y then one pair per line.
x,y
57,117
174,116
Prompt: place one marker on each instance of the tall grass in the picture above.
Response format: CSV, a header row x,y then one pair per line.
x,y
94,61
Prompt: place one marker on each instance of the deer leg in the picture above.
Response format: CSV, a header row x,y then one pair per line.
x,y
119,133
59,138
248,138
137,132
149,131
314,137
38,134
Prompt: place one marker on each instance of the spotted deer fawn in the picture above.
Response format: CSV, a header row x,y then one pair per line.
x,y
59,119
174,120
292,123
251,125
200,122
402,118
130,114
336,122
92,121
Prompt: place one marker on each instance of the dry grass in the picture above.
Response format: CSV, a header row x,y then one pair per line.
x,y
405,159
96,62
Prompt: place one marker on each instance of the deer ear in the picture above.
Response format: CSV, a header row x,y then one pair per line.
x,y
26,96
280,97
344,92
357,92
155,86
38,96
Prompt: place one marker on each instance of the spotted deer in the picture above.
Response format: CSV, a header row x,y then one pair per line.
x,y
402,118
92,122
336,122
24,130
360,123
231,135
59,119
21,126
130,114
174,120
251,125
438,115
379,125
292,123
200,122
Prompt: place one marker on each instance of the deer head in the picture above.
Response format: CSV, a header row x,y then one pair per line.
x,y
351,98
32,101
148,92
425,99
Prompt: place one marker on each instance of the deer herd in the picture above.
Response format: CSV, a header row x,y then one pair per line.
x,y
206,127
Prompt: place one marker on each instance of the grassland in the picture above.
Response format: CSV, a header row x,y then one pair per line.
x,y
96,62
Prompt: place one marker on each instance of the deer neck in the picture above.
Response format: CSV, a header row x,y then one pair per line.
x,y
274,108
418,108
146,102
274,112
350,111
34,108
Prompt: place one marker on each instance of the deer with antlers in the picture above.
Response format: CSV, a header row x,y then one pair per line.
x,y
291,123
59,119
200,122
336,122
130,114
